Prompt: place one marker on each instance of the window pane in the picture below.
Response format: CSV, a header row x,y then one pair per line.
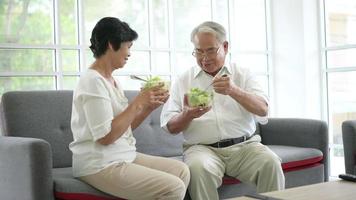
x,y
138,63
89,59
135,13
342,100
341,58
68,22
185,19
70,82
160,62
221,15
248,25
26,60
26,83
70,60
159,24
256,63
26,22
340,19
342,106
182,62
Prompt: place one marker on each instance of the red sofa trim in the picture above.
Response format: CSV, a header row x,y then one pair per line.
x,y
80,196
287,167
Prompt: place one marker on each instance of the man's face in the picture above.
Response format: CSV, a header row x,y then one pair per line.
x,y
209,53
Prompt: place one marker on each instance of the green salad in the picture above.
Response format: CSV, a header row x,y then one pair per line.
x,y
155,81
198,97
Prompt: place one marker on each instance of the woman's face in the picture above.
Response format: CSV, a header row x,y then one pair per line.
x,y
121,56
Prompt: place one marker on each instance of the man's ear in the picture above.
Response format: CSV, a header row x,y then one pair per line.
x,y
226,46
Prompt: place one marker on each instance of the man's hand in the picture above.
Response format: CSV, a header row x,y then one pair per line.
x,y
224,85
193,112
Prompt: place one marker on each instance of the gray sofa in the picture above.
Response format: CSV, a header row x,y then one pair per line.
x,y
36,162
349,140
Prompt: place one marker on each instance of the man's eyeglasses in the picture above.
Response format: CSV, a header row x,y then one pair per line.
x,y
210,53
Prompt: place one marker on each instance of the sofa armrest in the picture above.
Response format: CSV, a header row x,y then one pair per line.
x,y
309,133
349,140
25,168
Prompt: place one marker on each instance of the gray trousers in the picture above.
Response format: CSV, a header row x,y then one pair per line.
x,y
249,161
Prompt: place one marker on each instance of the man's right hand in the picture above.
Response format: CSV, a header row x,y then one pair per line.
x,y
193,112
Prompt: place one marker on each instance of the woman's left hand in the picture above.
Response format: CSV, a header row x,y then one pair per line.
x,y
157,97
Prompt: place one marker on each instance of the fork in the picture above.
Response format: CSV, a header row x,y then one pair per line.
x,y
137,78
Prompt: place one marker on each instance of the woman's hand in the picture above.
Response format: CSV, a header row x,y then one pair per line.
x,y
152,98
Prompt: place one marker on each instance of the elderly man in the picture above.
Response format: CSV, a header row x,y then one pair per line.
x,y
219,138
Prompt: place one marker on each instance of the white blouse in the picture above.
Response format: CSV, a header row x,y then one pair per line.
x,y
95,104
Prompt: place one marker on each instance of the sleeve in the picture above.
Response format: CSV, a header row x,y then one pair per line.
x,y
174,104
253,86
97,108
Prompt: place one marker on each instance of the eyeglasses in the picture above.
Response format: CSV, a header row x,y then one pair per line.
x,y
210,53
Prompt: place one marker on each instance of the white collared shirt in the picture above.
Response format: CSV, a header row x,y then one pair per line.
x,y
95,104
226,119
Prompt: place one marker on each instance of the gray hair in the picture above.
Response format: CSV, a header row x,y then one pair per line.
x,y
210,27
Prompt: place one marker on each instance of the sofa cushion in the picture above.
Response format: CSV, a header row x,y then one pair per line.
x,y
296,157
293,158
68,187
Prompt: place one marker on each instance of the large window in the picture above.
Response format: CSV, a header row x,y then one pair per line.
x,y
340,72
44,43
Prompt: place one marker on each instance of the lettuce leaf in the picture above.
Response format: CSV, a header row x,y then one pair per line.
x,y
198,97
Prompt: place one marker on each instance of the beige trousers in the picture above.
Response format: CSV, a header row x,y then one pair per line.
x,y
148,177
251,162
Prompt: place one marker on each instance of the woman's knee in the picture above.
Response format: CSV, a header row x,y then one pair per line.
x,y
177,189
185,174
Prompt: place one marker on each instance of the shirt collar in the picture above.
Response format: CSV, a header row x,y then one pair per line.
x,y
226,69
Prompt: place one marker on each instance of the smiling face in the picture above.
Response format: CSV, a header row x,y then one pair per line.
x,y
210,54
120,56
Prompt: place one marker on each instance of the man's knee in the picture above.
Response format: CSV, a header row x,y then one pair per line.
x,y
272,163
197,167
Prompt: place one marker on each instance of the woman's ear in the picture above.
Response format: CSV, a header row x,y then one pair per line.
x,y
110,46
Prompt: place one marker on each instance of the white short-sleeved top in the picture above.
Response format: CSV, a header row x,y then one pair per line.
x,y
95,104
227,118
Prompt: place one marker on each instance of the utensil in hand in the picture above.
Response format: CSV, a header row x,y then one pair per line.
x,y
137,78
207,87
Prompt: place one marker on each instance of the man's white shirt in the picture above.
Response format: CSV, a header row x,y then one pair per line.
x,y
227,118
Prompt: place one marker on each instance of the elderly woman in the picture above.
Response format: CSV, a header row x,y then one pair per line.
x,y
104,152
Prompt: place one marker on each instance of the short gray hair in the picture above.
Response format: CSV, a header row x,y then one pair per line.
x,y
210,27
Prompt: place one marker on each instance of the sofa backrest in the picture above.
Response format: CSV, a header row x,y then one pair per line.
x,y
46,115
40,114
152,139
